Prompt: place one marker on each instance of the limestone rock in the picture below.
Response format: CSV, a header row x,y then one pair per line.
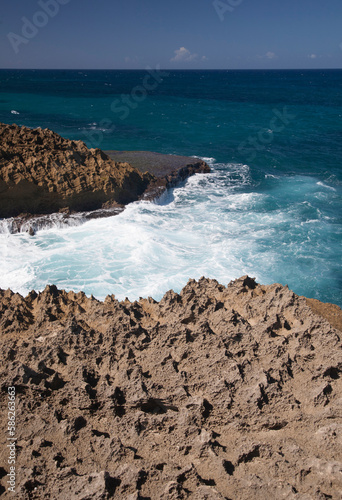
x,y
41,172
217,392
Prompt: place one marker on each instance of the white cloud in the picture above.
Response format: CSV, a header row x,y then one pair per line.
x,y
312,56
183,55
269,55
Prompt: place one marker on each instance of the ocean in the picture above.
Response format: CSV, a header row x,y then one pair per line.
x,y
270,208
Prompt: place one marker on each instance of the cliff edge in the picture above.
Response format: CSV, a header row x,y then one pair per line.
x,y
43,173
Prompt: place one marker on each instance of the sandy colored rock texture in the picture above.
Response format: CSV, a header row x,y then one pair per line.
x,y
41,172
216,393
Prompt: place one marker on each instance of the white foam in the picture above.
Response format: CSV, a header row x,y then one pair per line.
x,y
325,186
10,225
215,225
206,159
14,112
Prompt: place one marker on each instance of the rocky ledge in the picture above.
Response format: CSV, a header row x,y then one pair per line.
x,y
43,173
167,170
214,393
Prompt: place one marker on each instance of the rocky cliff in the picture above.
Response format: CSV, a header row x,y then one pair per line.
x,y
214,393
41,172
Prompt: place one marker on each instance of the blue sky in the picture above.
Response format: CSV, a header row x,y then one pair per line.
x,y
178,34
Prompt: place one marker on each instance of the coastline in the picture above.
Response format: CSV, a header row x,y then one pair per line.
x,y
226,391
167,170
135,363
67,183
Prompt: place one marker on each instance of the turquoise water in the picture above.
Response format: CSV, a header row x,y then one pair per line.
x,y
271,206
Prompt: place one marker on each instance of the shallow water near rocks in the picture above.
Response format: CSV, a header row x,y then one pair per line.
x,y
218,225
272,210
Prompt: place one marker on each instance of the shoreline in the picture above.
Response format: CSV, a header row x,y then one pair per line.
x,y
42,173
46,180
168,171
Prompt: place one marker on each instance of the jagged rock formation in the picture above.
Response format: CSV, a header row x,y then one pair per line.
x,y
41,172
216,393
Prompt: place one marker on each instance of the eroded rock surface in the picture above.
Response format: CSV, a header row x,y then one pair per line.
x,y
41,172
214,393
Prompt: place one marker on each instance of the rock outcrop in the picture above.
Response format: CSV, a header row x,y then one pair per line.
x,y
214,393
167,170
41,172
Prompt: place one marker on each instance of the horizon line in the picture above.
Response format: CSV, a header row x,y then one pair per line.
x,y
169,69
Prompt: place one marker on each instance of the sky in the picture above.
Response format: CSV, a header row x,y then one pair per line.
x,y
177,34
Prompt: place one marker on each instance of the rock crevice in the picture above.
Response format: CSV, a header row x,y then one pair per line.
x,y
217,392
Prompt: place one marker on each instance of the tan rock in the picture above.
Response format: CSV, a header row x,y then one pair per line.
x,y
41,172
216,392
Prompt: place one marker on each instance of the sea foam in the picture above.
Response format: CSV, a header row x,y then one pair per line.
x,y
221,225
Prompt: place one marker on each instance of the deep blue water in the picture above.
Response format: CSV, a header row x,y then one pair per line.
x,y
270,208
